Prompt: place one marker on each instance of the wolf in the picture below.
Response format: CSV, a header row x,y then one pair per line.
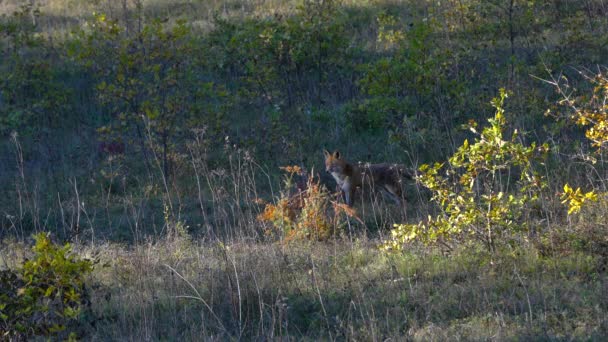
x,y
385,177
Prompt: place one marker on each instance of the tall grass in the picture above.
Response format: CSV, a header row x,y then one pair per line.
x,y
184,256
230,282
192,290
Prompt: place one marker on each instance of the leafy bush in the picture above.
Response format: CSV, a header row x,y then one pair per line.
x,y
477,197
45,296
588,111
586,209
285,61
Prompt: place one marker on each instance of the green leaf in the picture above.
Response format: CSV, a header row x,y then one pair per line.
x,y
49,291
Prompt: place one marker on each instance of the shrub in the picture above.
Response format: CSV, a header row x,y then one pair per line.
x,y
304,214
586,228
591,112
477,198
45,296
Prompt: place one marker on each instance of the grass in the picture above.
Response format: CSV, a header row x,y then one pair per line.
x,y
62,16
184,290
186,258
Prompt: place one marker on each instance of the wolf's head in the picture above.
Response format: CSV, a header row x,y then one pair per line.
x,y
333,163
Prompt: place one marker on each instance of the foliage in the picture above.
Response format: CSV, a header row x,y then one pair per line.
x,y
304,214
45,296
276,60
588,111
285,69
576,198
410,83
151,83
32,96
478,198
591,113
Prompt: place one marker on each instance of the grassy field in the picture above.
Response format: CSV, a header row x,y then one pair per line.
x,y
179,145
184,290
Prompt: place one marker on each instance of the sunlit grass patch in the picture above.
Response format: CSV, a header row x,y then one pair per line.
x,y
339,289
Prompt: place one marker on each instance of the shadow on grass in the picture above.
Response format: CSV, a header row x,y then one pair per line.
x,y
348,291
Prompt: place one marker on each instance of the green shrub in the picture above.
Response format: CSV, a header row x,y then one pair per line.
x,y
45,296
484,192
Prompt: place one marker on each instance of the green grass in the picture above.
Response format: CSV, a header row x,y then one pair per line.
x,y
62,16
340,290
218,276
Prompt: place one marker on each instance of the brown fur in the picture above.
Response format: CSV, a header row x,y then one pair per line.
x,y
385,177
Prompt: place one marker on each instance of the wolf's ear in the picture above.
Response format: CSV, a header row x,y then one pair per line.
x,y
326,153
337,154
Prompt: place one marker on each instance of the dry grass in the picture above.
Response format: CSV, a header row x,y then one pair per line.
x,y
233,282
183,290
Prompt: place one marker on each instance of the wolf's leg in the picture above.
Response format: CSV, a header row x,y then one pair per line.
x,y
349,195
398,197
394,194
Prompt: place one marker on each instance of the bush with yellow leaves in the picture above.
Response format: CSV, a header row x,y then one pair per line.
x,y
484,192
589,111
575,199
